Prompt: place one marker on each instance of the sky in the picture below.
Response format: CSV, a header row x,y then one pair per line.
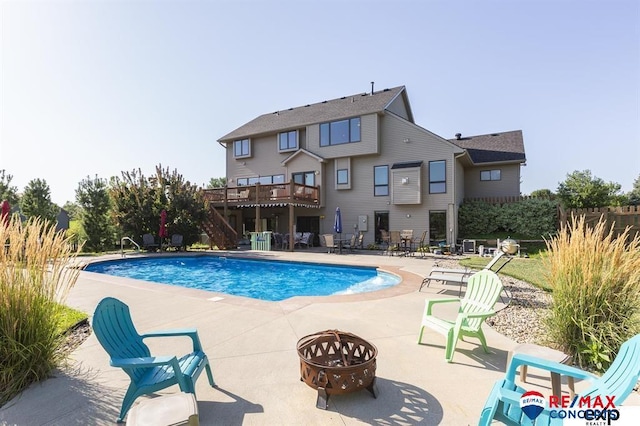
x,y
94,88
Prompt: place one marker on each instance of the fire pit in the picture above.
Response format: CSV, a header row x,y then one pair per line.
x,y
335,362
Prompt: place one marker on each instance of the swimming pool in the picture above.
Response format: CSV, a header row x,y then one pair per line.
x,y
260,279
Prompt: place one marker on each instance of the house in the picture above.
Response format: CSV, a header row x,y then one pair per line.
x,y
290,169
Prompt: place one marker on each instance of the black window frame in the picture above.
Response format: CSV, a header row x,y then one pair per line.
x,y
288,135
491,172
433,182
377,185
346,182
241,143
332,140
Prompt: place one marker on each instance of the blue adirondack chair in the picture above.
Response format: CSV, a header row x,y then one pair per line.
x,y
483,289
116,333
619,380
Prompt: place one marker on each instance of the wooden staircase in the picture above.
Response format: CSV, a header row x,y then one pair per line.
x,y
220,233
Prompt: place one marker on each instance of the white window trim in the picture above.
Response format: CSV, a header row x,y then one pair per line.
x,y
245,155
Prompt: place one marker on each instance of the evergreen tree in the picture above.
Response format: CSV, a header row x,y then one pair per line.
x,y
36,201
92,197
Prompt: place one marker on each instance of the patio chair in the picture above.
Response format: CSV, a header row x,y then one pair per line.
x,y
483,290
418,243
116,333
351,244
306,239
176,242
329,243
149,243
618,381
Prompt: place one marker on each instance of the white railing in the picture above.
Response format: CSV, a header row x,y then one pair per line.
x,y
122,240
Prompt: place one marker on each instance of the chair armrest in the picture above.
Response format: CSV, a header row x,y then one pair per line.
x,y
188,332
144,362
551,366
484,314
430,302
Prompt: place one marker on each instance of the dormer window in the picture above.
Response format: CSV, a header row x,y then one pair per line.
x,y
288,141
242,148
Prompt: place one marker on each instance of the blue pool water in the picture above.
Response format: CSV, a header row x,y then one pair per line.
x,y
259,279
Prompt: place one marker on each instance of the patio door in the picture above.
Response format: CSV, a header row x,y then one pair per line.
x,y
381,219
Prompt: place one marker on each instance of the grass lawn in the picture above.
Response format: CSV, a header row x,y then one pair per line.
x,y
70,317
530,270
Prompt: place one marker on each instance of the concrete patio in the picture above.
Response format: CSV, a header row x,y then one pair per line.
x,y
252,348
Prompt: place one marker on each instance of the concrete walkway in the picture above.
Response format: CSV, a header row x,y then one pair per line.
x,y
252,348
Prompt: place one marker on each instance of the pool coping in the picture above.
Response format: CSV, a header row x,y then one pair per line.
x,y
410,281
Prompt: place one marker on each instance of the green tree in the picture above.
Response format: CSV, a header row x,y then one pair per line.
x,y
542,193
73,209
634,195
36,201
219,182
138,202
93,198
581,190
7,191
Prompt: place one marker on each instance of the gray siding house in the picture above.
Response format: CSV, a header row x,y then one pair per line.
x,y
364,153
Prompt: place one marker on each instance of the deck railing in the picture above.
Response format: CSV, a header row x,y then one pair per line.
x,y
264,195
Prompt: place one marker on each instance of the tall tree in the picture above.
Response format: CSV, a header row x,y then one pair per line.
x,y
7,191
219,182
634,195
36,201
138,202
93,198
581,190
542,193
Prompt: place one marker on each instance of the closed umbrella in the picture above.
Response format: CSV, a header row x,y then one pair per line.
x,y
5,211
163,225
337,222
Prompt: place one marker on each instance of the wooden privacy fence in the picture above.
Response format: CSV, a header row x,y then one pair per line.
x,y
618,217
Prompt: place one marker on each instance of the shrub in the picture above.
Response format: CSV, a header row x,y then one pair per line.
x,y
596,291
34,281
534,218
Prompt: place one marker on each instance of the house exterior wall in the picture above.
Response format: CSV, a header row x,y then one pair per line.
x,y
507,186
368,140
399,107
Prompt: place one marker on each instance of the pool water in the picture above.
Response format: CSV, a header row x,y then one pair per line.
x,y
260,279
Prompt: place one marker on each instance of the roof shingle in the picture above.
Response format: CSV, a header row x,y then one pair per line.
x,y
505,146
335,109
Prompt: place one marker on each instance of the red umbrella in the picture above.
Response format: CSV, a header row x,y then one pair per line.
x,y
163,225
5,212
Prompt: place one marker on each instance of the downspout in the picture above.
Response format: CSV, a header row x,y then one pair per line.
x,y
454,207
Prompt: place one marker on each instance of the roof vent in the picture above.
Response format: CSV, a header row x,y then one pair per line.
x,y
344,97
458,136
495,134
307,105
324,102
277,113
372,87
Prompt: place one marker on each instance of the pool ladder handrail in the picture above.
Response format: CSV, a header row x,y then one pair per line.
x,y
122,240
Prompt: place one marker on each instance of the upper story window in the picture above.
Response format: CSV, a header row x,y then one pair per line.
x,y
241,148
490,174
342,177
288,141
380,180
339,132
437,177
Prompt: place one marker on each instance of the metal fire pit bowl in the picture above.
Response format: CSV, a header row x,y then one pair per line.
x,y
335,362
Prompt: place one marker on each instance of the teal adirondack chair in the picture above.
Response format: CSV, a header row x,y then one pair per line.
x,y
116,333
619,380
483,290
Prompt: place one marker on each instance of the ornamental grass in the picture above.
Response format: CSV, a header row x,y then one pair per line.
x,y
34,282
595,277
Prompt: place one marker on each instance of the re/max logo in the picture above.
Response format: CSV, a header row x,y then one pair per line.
x,y
582,402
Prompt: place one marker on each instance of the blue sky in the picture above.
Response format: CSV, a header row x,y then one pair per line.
x,y
99,87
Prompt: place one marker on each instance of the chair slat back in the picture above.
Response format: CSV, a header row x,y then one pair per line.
x,y
483,290
623,374
116,333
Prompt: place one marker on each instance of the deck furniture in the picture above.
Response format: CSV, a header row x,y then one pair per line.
x,y
503,403
483,290
116,333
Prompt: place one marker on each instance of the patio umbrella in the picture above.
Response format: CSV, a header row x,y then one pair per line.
x,y
337,222
5,210
163,225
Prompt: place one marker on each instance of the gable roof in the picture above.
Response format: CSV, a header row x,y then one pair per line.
x,y
335,109
494,147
